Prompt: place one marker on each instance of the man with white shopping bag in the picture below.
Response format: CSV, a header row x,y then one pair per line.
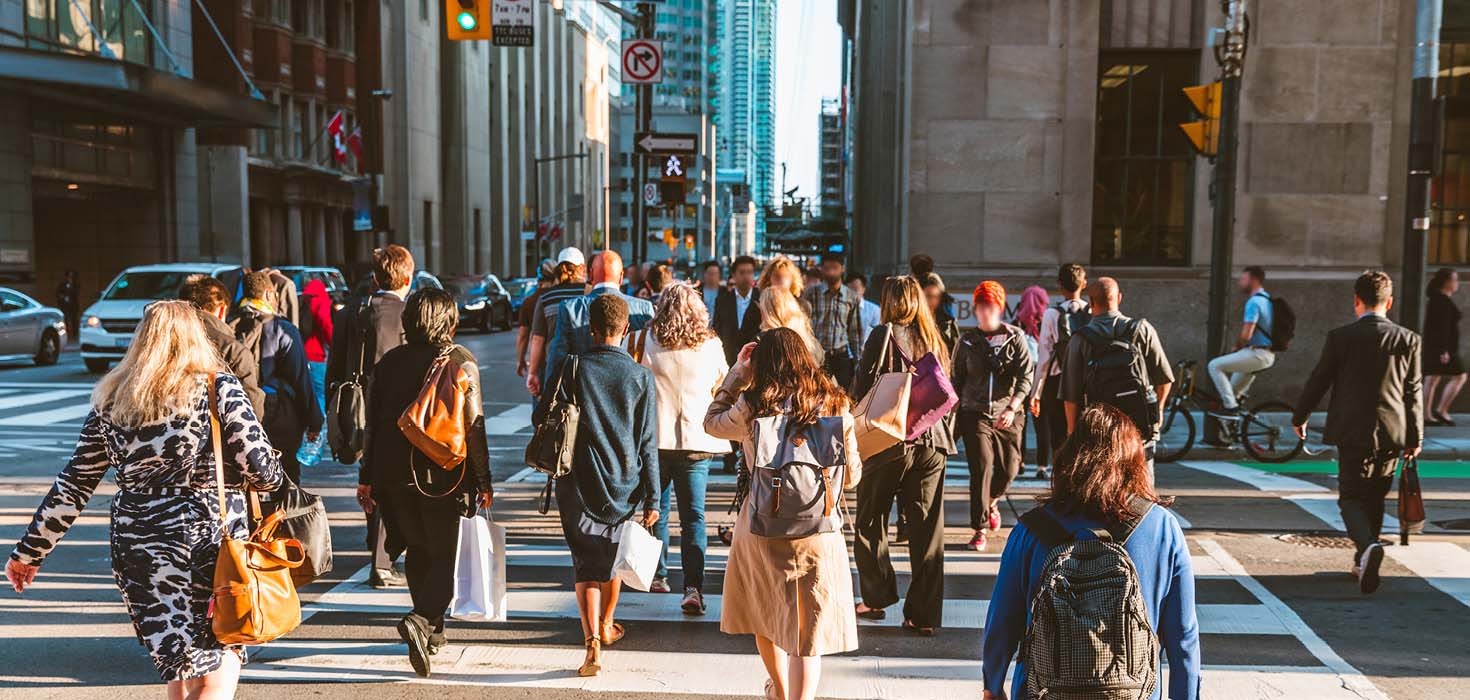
x,y
614,474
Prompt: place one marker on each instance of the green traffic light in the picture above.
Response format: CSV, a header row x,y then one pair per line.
x,y
466,21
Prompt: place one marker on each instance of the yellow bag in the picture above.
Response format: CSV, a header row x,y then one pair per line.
x,y
254,598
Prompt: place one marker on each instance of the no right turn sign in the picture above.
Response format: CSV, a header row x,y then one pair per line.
x,y
643,61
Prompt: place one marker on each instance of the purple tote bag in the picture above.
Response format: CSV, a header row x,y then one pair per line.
x,y
931,395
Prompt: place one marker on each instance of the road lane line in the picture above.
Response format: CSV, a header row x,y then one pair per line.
x,y
22,400
1352,679
1323,506
64,414
1260,479
1445,565
510,421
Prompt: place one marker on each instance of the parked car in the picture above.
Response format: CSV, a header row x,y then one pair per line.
x,y
332,277
30,330
521,289
483,302
107,326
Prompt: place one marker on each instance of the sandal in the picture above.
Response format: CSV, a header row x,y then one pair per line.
x,y
593,663
614,633
870,613
909,626
771,690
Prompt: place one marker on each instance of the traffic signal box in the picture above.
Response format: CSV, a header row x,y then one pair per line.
x,y
1204,134
467,20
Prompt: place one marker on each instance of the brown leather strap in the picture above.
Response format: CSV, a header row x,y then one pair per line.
x,y
827,491
219,457
776,499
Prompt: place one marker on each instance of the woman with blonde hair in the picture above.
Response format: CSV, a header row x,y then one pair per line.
x,y
688,362
151,421
794,594
779,309
781,273
912,471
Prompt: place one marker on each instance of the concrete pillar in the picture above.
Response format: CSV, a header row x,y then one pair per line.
x,y
295,236
225,224
332,218
318,236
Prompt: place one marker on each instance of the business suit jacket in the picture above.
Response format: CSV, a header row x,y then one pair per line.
x,y
1372,367
384,321
735,332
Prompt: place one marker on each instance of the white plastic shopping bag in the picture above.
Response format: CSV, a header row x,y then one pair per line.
x,y
479,572
637,559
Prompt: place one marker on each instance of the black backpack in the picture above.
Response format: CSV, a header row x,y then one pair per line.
x,y
1283,323
1115,375
1089,637
1068,324
346,419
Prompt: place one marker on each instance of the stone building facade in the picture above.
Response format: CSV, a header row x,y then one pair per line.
x,y
1006,138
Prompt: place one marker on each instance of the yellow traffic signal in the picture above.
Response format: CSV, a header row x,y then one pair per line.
x,y
669,239
1204,134
467,20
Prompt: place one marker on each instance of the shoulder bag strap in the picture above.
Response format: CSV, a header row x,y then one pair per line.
x,y
219,456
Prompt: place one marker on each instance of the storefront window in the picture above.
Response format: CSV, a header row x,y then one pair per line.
x,y
1449,233
1144,168
77,26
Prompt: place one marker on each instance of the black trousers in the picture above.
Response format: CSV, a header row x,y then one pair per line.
x,y
1051,425
994,456
430,530
840,366
1364,478
916,475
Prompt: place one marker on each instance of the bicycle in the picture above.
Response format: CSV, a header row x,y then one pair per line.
x,y
1264,430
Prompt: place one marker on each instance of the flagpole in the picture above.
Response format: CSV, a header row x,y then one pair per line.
x,y
311,147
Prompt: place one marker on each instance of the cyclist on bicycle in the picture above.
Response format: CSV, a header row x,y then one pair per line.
x,y
1233,373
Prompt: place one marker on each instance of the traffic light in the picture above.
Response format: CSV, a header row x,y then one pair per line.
x,y
671,191
467,20
1204,134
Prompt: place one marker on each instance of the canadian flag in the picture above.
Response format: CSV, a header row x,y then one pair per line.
x,y
354,142
337,128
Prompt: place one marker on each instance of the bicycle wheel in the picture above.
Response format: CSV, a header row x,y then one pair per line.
x,y
1267,433
1176,435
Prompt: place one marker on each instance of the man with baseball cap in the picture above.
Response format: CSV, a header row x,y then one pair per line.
x,y
569,278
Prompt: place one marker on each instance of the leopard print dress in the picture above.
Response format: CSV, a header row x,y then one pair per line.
x,y
166,524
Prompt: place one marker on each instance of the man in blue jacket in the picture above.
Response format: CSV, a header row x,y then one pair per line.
x,y
573,335
290,399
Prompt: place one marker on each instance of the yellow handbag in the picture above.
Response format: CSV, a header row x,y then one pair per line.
x,y
254,598
880,420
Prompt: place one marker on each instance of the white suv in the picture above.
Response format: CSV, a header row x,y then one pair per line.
x,y
107,326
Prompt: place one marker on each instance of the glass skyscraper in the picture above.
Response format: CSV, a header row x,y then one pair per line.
x,y
745,104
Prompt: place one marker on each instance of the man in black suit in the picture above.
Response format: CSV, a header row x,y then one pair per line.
x,y
364,331
737,318
1375,415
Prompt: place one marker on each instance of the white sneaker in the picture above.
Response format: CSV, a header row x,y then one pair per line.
x,y
659,585
1368,564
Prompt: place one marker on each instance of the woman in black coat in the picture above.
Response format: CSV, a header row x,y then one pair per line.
x,y
421,501
1443,371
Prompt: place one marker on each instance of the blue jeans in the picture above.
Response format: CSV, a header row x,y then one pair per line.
x,y
318,372
689,479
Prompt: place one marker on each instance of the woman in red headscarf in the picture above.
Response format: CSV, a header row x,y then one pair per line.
x,y
992,375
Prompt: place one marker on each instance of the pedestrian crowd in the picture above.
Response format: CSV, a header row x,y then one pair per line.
x,y
645,384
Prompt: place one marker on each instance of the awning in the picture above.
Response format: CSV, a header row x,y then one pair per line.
x,y
129,90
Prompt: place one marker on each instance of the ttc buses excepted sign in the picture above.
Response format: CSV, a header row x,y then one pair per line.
x,y
643,61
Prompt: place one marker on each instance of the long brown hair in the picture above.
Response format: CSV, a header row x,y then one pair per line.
x,y
904,305
788,380
1100,467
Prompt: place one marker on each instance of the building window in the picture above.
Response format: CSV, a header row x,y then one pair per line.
x,y
1144,167
78,27
341,30
300,132
1449,232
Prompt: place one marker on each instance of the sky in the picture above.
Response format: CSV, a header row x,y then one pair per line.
x,y
808,68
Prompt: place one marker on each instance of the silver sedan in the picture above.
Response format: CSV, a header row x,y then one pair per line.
x,y
29,330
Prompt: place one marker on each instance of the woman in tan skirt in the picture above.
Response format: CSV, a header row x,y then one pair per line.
x,y
794,595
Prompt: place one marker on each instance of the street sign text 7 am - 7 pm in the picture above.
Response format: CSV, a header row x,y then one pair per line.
x,y
513,22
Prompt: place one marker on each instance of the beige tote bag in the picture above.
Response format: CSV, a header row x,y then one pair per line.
x,y
881,419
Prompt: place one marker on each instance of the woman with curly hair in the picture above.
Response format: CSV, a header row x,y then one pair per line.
x,y
688,362
793,594
779,309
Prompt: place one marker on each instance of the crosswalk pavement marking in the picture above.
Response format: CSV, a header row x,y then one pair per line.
x,y
1260,479
1352,679
1444,565
56,415
1323,506
22,400
510,421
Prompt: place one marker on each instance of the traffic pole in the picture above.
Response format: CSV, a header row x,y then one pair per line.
x,y
647,15
1423,157
1230,54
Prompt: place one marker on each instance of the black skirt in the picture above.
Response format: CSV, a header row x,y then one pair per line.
x,y
592,543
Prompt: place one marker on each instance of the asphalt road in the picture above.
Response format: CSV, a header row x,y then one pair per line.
x,y
1279,615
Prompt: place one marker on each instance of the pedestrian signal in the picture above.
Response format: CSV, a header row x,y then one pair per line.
x,y
671,190
1204,134
467,20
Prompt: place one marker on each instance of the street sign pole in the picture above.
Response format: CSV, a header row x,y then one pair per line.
x,y
647,13
1423,158
1231,56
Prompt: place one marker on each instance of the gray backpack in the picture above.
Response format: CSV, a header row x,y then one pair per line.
x,y
796,485
1089,637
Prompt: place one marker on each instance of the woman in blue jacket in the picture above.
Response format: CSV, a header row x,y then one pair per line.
x,y
1099,471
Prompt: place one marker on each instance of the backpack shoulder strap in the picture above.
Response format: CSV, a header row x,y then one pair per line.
x,y
1138,508
1045,526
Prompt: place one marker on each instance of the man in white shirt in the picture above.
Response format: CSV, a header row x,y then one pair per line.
x,y
871,313
710,286
1051,352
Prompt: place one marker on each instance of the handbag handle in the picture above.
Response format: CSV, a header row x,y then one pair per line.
x,y
219,456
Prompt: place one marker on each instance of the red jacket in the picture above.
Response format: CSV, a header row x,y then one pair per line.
x,y
319,305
